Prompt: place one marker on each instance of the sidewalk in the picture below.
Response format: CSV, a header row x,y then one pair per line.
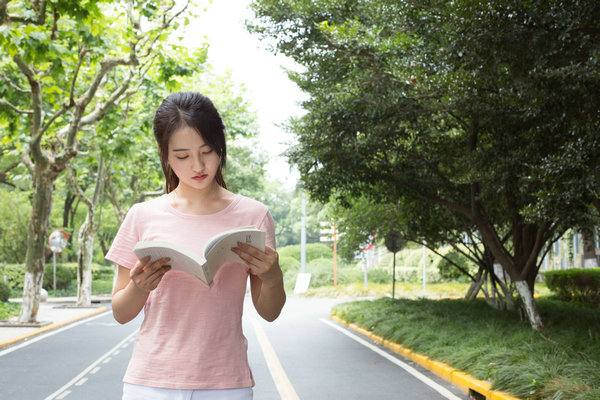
x,y
52,314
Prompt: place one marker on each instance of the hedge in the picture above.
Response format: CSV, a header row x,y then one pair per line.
x,y
15,273
577,284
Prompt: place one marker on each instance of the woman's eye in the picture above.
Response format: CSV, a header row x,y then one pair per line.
x,y
207,152
182,158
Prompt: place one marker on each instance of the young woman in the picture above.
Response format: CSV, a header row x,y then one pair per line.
x,y
191,344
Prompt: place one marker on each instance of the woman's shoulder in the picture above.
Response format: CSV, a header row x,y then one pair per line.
x,y
248,203
149,206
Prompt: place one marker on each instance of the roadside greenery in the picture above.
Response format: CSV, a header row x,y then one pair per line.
x,y
408,109
9,309
560,363
577,284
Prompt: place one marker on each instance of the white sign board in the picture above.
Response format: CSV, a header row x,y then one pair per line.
x,y
302,282
58,241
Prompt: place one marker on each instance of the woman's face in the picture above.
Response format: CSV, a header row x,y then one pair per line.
x,y
192,159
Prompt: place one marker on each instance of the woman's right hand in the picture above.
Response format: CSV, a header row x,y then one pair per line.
x,y
146,275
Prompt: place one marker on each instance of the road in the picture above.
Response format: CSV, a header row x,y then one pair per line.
x,y
302,355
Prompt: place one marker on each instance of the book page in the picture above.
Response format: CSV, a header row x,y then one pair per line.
x,y
218,237
220,250
181,258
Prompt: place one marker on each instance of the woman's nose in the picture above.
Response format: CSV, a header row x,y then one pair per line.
x,y
198,163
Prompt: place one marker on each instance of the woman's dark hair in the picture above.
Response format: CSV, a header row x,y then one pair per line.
x,y
196,111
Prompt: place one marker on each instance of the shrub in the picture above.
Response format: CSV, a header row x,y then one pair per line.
x,y
313,251
4,292
577,284
102,286
379,276
448,271
288,263
64,276
15,274
102,273
321,273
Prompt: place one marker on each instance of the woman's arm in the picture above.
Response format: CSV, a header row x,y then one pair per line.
x,y
133,287
266,279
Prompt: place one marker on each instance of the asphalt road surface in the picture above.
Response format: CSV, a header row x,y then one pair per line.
x,y
302,355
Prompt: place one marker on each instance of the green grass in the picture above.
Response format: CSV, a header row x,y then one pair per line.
x,y
562,363
403,290
9,309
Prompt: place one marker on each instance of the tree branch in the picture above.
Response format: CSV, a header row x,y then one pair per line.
x,y
74,183
4,173
37,114
14,108
12,85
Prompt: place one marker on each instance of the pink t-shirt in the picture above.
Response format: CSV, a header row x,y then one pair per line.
x,y
191,336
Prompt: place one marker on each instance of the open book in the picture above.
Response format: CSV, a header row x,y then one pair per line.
x,y
215,254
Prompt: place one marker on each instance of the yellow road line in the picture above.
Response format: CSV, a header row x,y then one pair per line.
x,y
282,382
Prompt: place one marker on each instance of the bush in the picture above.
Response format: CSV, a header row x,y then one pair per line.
x,y
4,292
102,286
313,251
448,271
577,284
288,263
102,273
379,276
64,276
15,274
321,271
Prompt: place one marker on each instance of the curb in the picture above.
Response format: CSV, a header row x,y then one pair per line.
x,y
475,388
50,327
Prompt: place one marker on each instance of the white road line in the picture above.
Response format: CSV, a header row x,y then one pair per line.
x,y
63,395
81,381
58,393
282,382
53,332
95,370
429,382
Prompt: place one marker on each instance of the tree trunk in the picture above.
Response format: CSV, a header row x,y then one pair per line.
x,y
36,245
529,305
87,234
476,285
84,262
590,260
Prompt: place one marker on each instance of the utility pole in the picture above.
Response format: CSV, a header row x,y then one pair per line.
x,y
424,268
303,236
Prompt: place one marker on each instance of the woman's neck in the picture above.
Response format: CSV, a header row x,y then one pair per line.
x,y
208,201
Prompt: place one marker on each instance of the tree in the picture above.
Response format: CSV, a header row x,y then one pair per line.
x,y
87,231
459,104
65,66
361,220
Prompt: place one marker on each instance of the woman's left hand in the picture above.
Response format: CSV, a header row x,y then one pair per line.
x,y
263,264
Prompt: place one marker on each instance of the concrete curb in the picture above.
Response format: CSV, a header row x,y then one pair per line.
x,y
50,327
465,382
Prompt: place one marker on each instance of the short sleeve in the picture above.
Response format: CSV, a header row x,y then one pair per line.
x,y
121,251
268,226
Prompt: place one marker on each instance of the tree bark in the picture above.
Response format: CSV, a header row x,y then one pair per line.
x,y
529,305
85,254
36,245
87,235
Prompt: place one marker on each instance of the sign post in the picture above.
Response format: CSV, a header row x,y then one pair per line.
x,y
364,248
394,243
57,242
331,229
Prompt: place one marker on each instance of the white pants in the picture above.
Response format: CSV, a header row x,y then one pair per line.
x,y
138,392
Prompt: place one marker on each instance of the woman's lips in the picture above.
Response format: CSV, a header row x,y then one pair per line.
x,y
199,177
